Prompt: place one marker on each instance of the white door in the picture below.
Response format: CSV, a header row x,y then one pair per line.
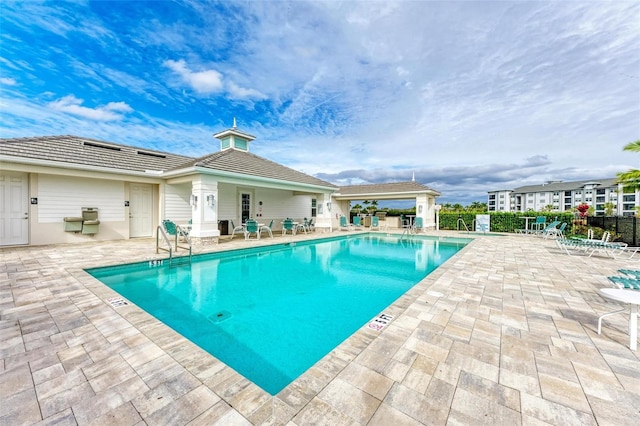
x,y
140,210
14,209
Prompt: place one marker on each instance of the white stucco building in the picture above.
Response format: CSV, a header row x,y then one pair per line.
x,y
44,180
564,196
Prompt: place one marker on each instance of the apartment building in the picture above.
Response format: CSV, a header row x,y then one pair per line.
x,y
564,196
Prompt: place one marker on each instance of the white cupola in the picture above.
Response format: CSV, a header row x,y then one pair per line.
x,y
234,139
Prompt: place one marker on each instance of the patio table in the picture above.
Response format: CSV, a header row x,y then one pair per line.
x,y
631,297
526,222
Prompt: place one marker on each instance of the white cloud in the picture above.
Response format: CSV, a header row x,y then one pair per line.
x,y
8,81
203,82
237,92
109,112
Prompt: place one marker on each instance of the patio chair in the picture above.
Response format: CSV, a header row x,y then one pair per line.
x,y
301,226
267,228
309,224
540,223
375,223
236,229
344,225
287,225
356,222
418,225
251,227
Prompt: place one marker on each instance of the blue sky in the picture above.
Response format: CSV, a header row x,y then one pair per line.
x,y
469,96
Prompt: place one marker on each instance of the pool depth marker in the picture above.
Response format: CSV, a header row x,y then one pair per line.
x,y
380,322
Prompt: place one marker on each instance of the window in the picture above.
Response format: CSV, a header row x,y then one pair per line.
x,y
314,207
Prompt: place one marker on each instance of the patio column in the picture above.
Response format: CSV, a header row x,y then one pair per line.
x,y
204,210
324,207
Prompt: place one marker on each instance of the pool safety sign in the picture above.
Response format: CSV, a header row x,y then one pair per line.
x,y
117,302
380,322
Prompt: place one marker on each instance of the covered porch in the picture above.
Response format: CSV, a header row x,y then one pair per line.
x,y
425,199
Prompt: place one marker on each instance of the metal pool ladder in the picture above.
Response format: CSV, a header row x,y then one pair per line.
x,y
169,248
461,220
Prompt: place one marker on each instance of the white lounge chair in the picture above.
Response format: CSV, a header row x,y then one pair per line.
x,y
356,223
344,225
375,223
557,232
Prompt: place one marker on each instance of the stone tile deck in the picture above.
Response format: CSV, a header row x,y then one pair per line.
x,y
511,340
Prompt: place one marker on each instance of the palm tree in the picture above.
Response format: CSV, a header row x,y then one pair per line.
x,y
608,208
631,179
477,206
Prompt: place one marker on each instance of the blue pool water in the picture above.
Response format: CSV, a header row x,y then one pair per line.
x,y
272,312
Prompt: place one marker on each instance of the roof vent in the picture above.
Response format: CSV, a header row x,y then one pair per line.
x,y
152,154
97,145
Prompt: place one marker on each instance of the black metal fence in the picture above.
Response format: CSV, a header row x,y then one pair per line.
x,y
626,226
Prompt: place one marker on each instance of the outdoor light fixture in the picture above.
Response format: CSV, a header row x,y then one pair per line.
x,y
211,199
329,206
193,200
420,208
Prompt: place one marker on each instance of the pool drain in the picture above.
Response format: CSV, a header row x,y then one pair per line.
x,y
219,316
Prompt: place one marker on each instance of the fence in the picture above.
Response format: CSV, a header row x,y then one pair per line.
x,y
626,226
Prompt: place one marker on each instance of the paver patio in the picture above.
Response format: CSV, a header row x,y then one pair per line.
x,y
510,339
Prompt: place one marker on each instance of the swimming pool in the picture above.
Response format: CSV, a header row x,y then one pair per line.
x,y
272,312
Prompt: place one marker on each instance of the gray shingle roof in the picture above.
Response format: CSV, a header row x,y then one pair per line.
x,y
383,188
566,186
95,153
231,160
90,152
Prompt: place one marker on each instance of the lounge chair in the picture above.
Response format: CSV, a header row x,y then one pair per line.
x,y
356,222
557,232
375,223
590,246
287,225
236,229
548,228
175,231
251,227
344,225
630,272
267,228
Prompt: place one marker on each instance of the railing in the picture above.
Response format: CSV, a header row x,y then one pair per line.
x,y
461,220
161,232
179,233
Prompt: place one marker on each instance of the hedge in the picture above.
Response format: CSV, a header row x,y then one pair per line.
x,y
504,221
